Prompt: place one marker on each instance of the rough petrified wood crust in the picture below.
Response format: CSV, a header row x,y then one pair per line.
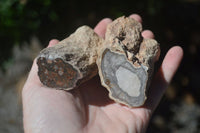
x,y
71,62
126,62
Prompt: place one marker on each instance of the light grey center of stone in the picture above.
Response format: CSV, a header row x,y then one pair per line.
x,y
128,82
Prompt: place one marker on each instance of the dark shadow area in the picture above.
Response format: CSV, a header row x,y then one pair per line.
x,y
94,93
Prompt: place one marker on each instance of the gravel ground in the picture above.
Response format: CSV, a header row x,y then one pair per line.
x,y
10,111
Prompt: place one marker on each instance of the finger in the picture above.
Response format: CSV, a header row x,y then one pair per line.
x,y
53,42
171,62
148,34
100,29
136,17
164,76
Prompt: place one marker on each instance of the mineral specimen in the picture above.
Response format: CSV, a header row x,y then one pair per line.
x,y
126,62
70,62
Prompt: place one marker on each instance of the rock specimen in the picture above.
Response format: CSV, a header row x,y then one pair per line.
x,y
126,62
70,62
124,59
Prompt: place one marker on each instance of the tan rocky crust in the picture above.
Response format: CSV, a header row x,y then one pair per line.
x,y
126,62
70,62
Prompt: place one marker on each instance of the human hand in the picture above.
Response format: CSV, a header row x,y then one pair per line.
x,y
88,108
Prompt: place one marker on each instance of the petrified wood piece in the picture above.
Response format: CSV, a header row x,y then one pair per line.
x,y
126,62
70,62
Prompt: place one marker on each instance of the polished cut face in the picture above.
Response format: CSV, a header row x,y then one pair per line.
x,y
57,73
125,82
126,62
128,82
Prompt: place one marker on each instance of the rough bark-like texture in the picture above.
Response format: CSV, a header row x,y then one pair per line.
x,y
126,33
126,62
70,62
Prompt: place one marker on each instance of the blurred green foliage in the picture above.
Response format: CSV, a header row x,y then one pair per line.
x,y
19,19
18,16
46,19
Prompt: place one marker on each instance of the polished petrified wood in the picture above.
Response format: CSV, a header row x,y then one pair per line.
x,y
124,60
70,62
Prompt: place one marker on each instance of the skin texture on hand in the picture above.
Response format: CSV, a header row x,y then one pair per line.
x,y
88,108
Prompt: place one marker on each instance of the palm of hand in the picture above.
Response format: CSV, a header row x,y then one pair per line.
x,y
104,115
88,108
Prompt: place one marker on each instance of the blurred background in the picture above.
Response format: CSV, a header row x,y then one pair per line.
x,y
26,26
